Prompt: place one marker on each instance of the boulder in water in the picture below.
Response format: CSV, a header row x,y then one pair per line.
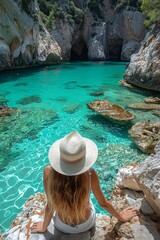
x,y
152,100
145,135
111,111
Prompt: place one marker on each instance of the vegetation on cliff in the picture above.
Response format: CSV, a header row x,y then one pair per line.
x,y
151,9
127,4
51,10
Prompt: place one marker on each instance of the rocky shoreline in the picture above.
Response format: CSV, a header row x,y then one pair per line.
x,y
136,185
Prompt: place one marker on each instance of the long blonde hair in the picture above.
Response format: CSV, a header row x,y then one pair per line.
x,y
68,195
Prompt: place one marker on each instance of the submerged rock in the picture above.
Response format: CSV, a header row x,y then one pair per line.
x,y
71,108
124,83
28,100
146,135
152,100
22,125
144,106
97,93
111,111
5,110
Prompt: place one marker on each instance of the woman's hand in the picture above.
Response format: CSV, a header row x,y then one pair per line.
x,y
38,228
128,213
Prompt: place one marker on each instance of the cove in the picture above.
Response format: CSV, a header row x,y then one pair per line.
x,y
51,102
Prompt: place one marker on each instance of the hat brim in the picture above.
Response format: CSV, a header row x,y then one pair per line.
x,y
76,168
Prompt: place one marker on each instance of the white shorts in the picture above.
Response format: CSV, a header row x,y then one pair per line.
x,y
79,228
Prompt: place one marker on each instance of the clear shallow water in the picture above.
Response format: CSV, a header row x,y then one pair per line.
x,y
51,102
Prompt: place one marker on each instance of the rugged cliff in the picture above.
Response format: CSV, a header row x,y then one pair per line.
x,y
144,67
42,31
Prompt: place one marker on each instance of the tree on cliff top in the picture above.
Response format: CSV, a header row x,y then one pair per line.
x,y
151,9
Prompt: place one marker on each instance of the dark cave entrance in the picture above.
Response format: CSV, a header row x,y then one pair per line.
x,y
79,51
115,49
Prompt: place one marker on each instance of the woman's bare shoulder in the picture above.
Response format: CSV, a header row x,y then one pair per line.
x,y
94,174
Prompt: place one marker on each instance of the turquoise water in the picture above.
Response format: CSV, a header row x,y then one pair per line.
x,y
50,102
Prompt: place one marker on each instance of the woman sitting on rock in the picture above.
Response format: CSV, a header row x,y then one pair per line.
x,y
68,182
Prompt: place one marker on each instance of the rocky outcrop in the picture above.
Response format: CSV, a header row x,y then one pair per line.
x,y
147,175
147,178
146,135
144,67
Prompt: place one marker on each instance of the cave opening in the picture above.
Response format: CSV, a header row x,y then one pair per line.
x,y
79,51
115,49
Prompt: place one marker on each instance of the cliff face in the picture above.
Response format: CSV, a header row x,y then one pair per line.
x,y
38,32
20,41
144,67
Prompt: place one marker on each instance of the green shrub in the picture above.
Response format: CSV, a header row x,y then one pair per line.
x,y
95,7
126,4
76,13
25,5
50,20
151,9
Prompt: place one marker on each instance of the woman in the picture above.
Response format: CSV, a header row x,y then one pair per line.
x,y
68,182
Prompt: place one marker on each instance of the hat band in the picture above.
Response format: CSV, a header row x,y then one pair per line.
x,y
73,158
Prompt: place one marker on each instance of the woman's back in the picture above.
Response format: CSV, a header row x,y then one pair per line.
x,y
68,196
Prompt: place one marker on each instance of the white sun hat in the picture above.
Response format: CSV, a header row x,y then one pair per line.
x,y
73,154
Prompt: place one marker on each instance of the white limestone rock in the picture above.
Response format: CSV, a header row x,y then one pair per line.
x,y
137,200
22,44
125,178
125,34
144,67
146,231
147,175
48,50
97,43
63,33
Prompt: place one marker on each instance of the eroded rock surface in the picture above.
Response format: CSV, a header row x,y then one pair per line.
x,y
21,42
144,67
147,175
146,135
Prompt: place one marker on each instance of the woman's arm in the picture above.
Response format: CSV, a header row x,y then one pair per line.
x,y
42,226
124,215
